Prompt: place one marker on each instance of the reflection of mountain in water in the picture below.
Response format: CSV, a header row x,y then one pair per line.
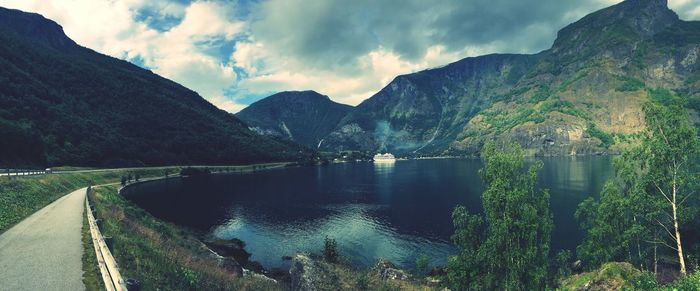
x,y
394,210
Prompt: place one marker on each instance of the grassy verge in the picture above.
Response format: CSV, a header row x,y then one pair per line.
x,y
161,255
91,273
22,196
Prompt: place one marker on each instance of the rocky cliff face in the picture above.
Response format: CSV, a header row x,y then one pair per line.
x,y
584,95
305,117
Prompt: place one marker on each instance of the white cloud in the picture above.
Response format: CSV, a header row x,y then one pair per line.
x,y
110,27
348,50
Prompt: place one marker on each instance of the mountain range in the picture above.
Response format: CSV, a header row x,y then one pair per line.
x,y
581,96
63,104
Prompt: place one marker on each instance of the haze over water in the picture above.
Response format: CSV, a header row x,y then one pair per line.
x,y
396,211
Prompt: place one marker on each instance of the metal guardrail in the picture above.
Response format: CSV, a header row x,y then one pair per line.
x,y
113,280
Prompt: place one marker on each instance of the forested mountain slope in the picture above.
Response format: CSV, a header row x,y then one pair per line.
x,y
63,104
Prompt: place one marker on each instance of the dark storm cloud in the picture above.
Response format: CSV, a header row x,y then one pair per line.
x,y
333,34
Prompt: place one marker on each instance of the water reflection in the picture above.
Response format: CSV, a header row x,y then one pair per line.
x,y
392,210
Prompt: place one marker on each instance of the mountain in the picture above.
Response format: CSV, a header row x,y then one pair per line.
x,y
301,116
63,104
583,95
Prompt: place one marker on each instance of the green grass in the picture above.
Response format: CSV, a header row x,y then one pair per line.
x,y
629,84
91,276
661,96
543,92
22,196
610,276
162,256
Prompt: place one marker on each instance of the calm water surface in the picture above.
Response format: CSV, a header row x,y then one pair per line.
x,y
396,211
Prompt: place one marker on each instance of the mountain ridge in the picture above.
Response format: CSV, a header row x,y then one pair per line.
x,y
301,116
63,104
581,96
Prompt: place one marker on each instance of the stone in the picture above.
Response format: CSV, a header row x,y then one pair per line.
x,y
388,271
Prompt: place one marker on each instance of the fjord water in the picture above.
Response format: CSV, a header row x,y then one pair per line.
x,y
395,211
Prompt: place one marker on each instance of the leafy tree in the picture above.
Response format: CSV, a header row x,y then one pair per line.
x,y
123,180
644,206
508,248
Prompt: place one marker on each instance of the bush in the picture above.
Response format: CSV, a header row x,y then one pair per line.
x,y
645,281
629,84
362,282
605,138
330,250
661,96
422,263
190,171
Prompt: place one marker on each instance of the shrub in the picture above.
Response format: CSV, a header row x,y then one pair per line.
x,y
629,84
190,171
661,96
422,262
330,250
606,139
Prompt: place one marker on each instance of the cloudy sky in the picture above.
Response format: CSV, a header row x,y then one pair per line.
x,y
236,52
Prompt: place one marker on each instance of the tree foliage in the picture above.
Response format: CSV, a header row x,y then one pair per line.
x,y
507,248
642,212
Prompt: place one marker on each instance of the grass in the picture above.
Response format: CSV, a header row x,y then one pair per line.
x,y
342,276
160,255
22,196
91,276
610,276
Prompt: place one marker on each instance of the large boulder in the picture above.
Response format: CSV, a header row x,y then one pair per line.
x,y
308,273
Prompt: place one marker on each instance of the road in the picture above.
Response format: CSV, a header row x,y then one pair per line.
x,y
44,251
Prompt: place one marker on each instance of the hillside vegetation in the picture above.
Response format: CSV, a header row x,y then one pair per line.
x,y
582,96
63,104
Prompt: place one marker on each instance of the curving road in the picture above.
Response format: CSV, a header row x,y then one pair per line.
x,y
45,250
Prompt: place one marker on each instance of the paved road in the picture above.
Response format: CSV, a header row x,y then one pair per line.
x,y
44,251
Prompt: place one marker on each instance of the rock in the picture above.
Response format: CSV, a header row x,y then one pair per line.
x,y
577,266
249,273
388,271
286,258
229,248
306,274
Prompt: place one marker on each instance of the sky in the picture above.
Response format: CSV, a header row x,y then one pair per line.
x,y
236,52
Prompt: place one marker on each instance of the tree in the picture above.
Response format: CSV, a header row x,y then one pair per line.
x,y
508,248
669,149
123,180
643,206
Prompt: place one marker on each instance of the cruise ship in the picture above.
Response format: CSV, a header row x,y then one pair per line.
x,y
384,158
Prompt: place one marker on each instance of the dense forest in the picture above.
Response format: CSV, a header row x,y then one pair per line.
x,y
63,104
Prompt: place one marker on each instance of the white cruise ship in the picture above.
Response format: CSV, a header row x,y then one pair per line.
x,y
384,158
